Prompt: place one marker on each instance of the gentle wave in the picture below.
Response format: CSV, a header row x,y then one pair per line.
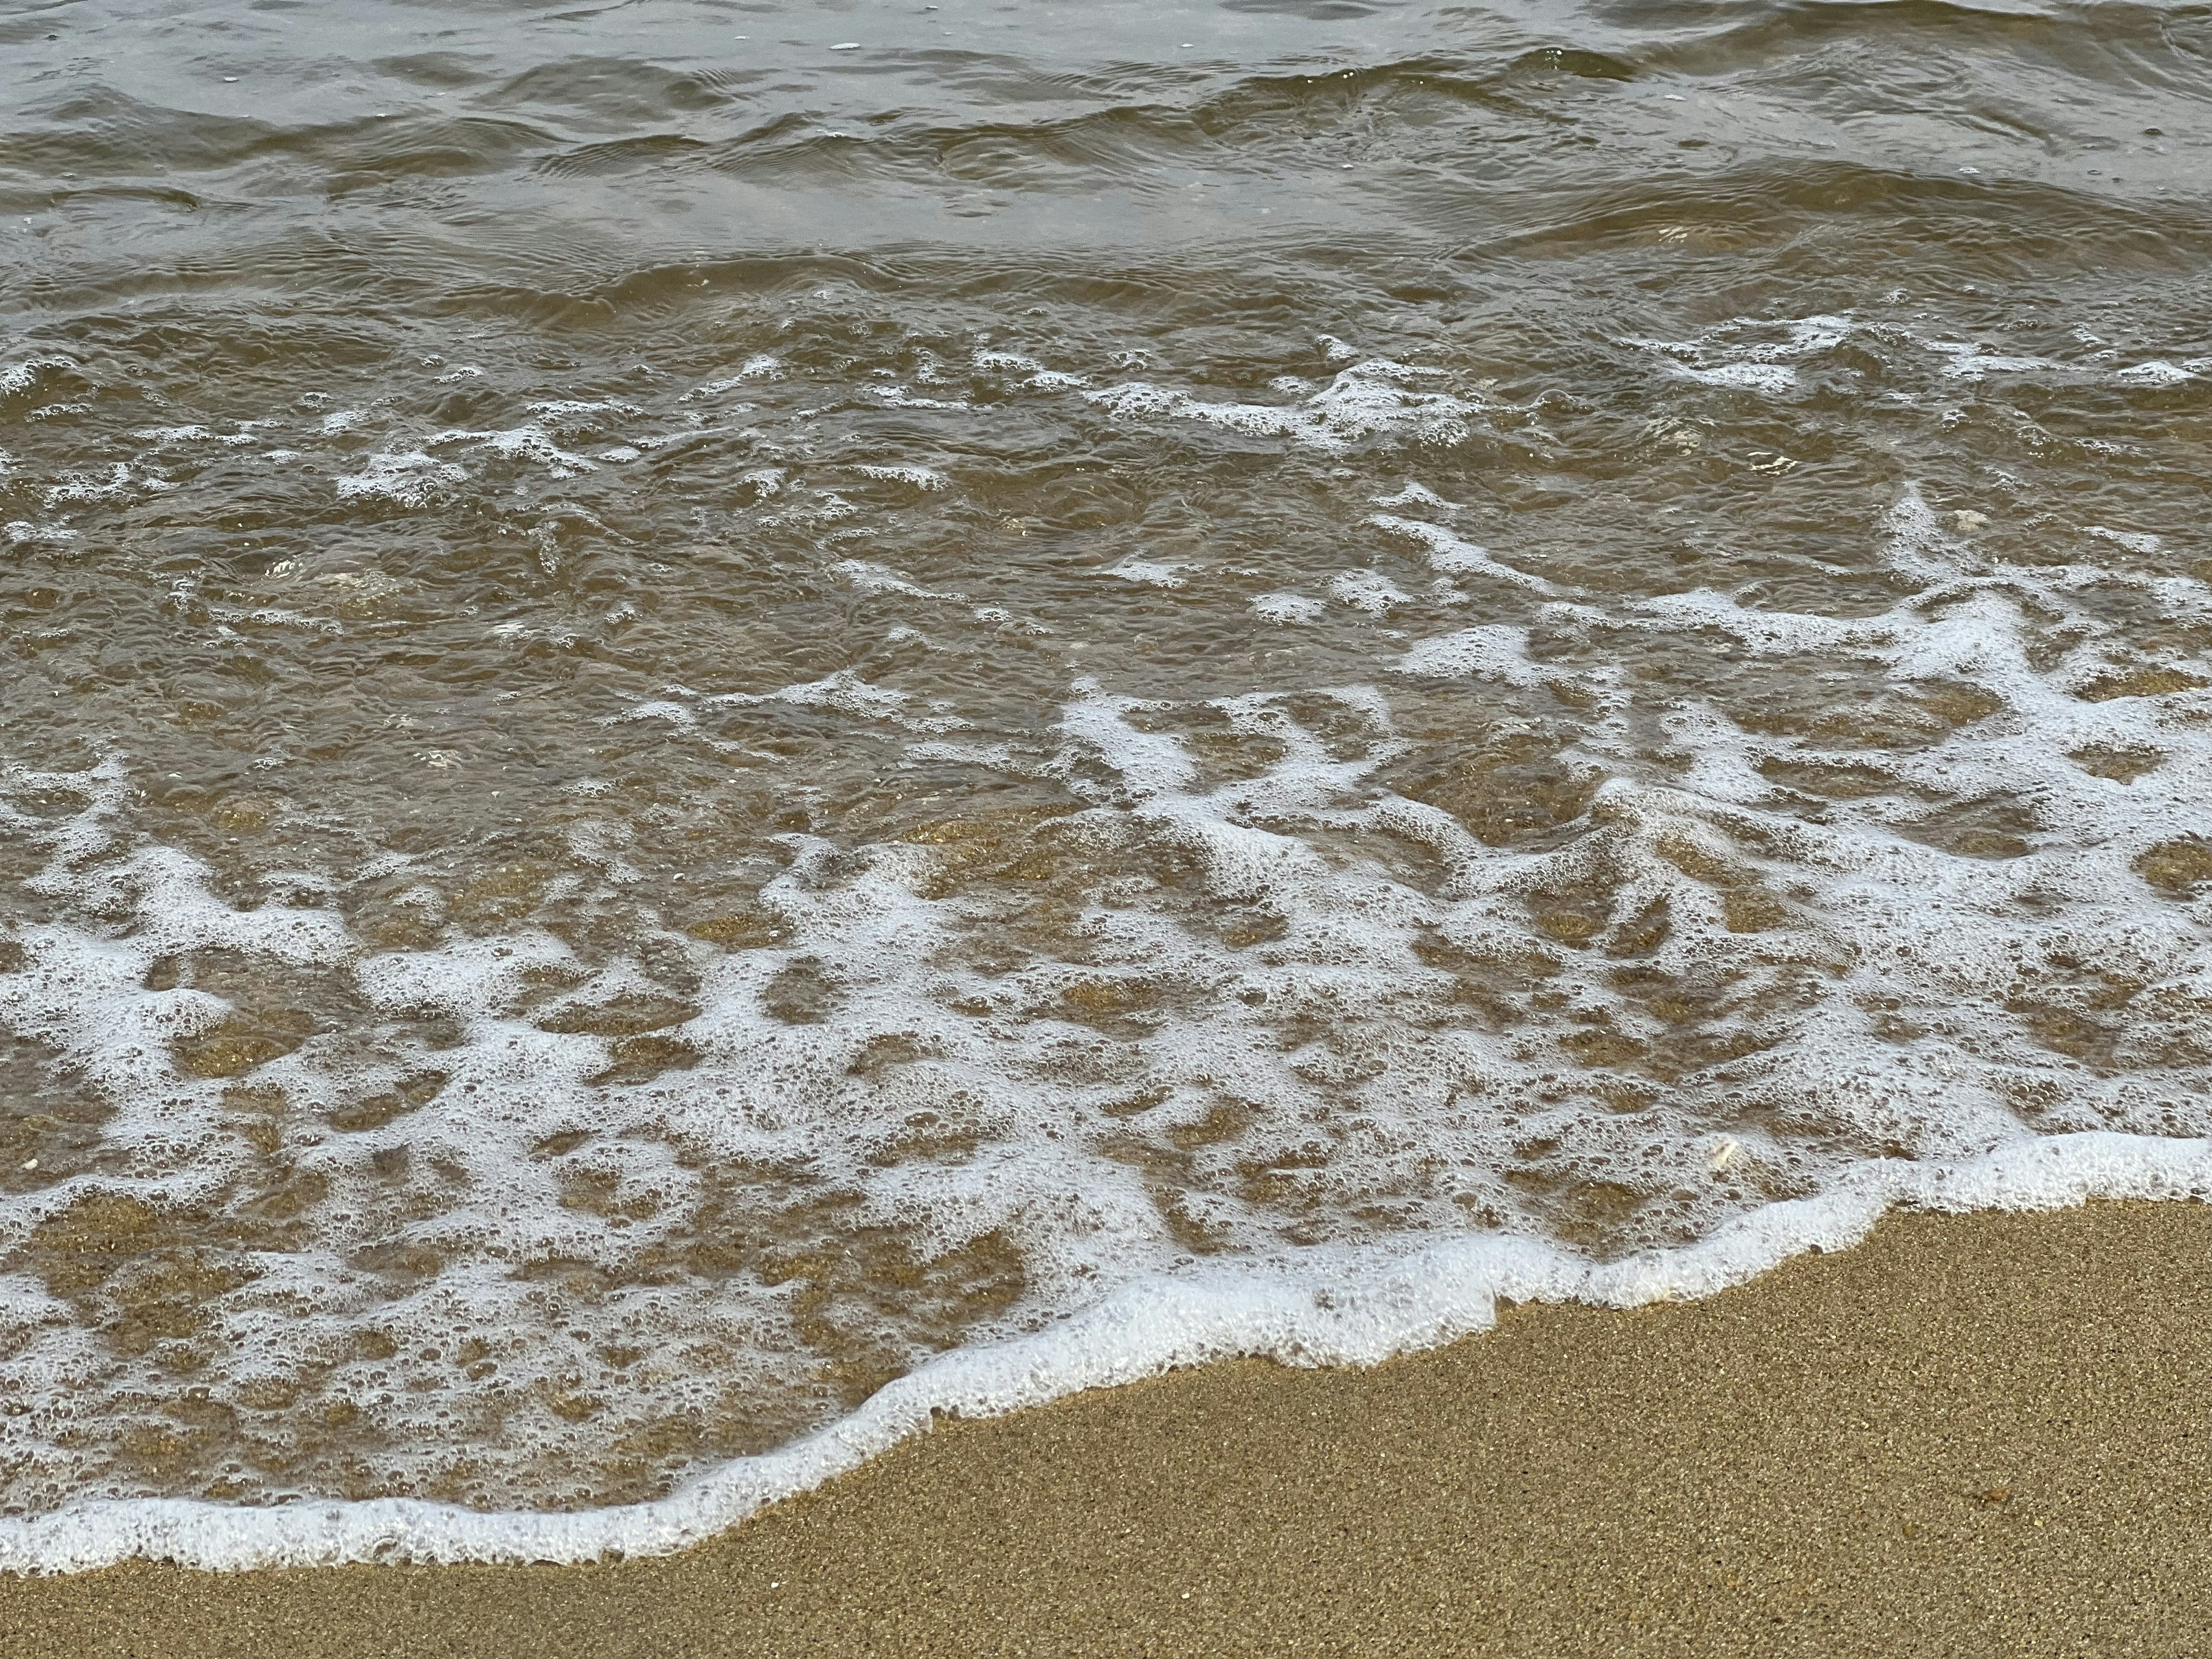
x,y
711,740
1357,1317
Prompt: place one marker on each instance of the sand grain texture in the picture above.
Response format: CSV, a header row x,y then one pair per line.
x,y
1981,1435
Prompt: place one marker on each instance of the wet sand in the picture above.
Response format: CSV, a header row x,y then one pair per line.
x,y
1982,1435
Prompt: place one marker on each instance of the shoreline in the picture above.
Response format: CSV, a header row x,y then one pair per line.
x,y
1967,1431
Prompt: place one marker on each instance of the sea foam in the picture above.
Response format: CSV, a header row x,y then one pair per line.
x,y
1354,1314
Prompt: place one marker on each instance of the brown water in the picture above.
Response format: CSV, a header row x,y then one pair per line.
x,y
703,698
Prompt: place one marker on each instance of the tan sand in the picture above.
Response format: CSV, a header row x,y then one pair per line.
x,y
1984,1436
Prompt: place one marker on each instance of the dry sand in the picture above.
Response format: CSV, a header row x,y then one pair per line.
x,y
1985,1435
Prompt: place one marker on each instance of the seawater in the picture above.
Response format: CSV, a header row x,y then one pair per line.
x,y
729,723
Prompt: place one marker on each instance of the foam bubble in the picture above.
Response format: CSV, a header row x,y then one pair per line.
x,y
847,693
1964,360
762,367
2135,541
1448,556
920,477
19,378
1287,607
1149,573
2157,372
1365,590
1377,397
410,478
1295,1014
1491,652
528,443
1416,494
1367,1313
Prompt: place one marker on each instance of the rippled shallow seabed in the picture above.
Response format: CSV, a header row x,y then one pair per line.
x,y
702,698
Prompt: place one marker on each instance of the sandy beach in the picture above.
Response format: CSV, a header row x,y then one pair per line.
x,y
1981,1434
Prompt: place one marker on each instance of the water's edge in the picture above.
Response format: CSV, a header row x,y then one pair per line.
x,y
1403,1305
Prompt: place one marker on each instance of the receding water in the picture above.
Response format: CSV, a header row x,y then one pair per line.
x,y
704,698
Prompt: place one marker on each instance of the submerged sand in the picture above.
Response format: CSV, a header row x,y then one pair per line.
x,y
1982,1435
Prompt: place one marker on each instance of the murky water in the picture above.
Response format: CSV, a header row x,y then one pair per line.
x,y
703,698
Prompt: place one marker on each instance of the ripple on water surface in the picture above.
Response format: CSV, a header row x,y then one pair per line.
x,y
693,717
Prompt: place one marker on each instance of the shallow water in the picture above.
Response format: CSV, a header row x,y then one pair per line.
x,y
707,698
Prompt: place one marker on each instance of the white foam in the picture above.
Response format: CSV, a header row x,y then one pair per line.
x,y
1284,949
1360,1313
867,578
1147,573
1964,360
1450,556
1898,918
1377,398
897,397
410,478
1288,608
1491,652
1151,763
21,532
582,412
920,477
1365,590
527,443
18,378
2135,541
846,692
2157,372
762,367
1744,354
1771,379
1415,494
122,482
